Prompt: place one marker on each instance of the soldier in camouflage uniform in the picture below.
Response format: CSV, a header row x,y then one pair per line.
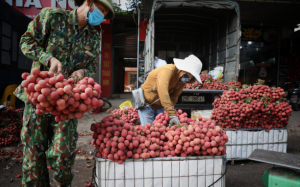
x,y
63,41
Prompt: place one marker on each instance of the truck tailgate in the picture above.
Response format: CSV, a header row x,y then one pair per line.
x,y
197,99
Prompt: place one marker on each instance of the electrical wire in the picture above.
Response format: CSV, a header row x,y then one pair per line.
x,y
134,18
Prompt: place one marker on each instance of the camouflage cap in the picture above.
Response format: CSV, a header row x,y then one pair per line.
x,y
107,3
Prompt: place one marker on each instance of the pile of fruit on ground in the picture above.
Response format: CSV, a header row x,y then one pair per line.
x,y
10,126
117,140
213,84
257,106
7,154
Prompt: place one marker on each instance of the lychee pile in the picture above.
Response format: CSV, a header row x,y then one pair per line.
x,y
213,84
117,140
128,114
61,97
257,106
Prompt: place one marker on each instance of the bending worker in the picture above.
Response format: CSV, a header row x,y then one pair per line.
x,y
62,41
164,85
157,63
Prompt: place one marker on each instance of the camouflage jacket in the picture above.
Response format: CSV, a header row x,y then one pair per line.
x,y
55,33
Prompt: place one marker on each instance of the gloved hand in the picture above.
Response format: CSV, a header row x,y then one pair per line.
x,y
173,120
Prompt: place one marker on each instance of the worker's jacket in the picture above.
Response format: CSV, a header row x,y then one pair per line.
x,y
55,33
159,83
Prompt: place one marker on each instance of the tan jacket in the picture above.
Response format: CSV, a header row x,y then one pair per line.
x,y
158,84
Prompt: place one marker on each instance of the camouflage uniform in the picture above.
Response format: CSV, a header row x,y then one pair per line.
x,y
54,33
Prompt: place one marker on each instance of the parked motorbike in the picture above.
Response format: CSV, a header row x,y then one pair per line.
x,y
293,96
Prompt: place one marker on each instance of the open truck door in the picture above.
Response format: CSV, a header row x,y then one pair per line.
x,y
210,29
149,45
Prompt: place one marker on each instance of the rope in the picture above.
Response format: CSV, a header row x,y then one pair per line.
x,y
220,177
94,170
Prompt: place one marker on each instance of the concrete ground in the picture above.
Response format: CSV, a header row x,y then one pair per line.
x,y
242,174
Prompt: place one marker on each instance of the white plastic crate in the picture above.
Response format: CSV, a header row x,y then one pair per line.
x,y
242,142
199,171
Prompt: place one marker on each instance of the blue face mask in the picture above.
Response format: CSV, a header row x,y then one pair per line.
x,y
94,18
184,78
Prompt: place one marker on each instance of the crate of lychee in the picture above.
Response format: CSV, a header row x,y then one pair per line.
x,y
63,98
254,117
197,98
191,153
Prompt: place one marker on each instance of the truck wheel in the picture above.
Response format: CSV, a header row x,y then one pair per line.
x,y
295,106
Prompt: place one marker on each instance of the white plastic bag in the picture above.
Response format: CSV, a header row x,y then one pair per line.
x,y
220,68
217,72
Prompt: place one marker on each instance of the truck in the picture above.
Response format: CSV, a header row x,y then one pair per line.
x,y
210,30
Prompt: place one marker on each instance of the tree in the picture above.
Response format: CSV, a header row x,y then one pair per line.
x,y
132,4
117,8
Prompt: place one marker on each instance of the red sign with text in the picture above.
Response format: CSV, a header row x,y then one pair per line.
x,y
32,8
106,64
143,28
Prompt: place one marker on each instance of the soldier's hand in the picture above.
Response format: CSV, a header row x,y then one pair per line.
x,y
55,65
78,73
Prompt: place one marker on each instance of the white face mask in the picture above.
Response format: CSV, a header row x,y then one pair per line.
x,y
184,78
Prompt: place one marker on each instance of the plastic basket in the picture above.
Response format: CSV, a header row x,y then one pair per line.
x,y
243,142
201,171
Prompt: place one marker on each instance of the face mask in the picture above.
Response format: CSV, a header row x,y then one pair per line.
x,y
184,78
94,18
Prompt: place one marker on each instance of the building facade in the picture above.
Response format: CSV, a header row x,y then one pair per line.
x,y
269,47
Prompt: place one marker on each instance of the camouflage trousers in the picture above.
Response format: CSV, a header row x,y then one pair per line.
x,y
45,139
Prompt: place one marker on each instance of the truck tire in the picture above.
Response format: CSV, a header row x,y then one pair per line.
x,y
295,106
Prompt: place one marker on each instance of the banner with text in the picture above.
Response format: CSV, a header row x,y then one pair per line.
x,y
106,64
252,33
32,8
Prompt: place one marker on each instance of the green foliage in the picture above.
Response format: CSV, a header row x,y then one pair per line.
x,y
245,86
208,80
234,102
248,100
116,8
119,11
